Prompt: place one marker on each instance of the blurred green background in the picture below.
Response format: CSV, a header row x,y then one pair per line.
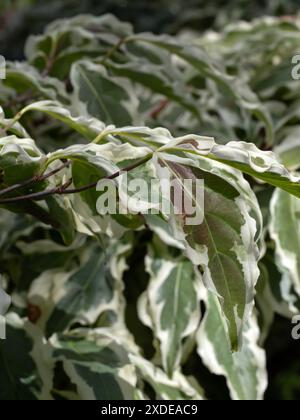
x,y
20,18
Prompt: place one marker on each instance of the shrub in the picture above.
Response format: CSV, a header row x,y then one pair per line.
x,y
138,301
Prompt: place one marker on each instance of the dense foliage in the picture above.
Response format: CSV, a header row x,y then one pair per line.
x,y
20,18
146,303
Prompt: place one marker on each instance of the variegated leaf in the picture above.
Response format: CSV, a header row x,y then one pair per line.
x,y
245,371
285,230
101,96
224,245
87,126
177,388
5,300
171,304
25,375
100,369
20,159
245,157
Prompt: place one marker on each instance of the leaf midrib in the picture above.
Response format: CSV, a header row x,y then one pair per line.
x,y
98,98
211,236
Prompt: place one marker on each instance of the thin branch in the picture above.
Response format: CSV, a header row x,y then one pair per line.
x,y
50,61
37,178
159,109
62,190
114,49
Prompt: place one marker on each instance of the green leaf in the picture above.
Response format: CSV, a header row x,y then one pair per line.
x,y
261,165
178,388
245,157
279,292
90,164
198,59
101,96
20,378
11,126
158,80
98,366
69,40
5,300
193,55
266,309
224,245
24,78
87,126
285,230
20,160
86,294
289,150
93,162
171,295
60,210
245,371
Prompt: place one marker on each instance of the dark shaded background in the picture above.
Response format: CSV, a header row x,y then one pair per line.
x,y
20,18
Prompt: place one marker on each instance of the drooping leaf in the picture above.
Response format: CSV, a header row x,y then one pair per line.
x,y
245,371
223,243
100,368
171,295
284,229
